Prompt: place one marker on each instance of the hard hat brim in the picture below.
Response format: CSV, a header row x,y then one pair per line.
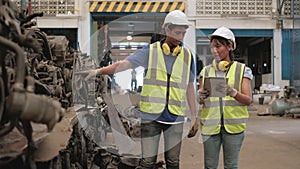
x,y
183,24
210,36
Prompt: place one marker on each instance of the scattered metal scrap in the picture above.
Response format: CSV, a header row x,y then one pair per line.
x,y
289,105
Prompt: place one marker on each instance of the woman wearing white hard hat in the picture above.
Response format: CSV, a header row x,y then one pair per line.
x,y
168,80
223,118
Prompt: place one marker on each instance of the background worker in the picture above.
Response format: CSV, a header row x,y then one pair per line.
x,y
168,80
133,80
223,119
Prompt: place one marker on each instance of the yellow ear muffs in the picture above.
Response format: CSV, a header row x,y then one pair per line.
x,y
220,65
176,50
167,50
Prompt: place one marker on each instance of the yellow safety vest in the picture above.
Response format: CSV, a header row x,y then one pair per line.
x,y
227,111
155,87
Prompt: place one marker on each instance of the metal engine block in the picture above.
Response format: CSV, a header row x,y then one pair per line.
x,y
39,126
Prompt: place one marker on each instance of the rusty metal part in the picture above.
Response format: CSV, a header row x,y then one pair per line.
x,y
26,95
37,85
40,109
20,74
121,138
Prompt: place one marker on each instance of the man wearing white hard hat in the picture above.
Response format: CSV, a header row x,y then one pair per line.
x,y
223,117
168,80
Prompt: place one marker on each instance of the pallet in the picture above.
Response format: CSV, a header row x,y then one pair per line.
x,y
294,112
294,116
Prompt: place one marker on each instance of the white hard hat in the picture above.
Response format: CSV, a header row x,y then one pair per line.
x,y
176,17
224,33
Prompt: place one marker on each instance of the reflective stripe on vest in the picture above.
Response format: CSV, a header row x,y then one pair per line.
x,y
235,114
154,91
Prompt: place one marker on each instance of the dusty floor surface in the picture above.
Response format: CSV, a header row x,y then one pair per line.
x,y
271,142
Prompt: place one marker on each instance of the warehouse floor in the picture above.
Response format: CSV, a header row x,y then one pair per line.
x,y
271,142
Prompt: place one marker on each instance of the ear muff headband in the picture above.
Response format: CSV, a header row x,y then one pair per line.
x,y
167,50
221,65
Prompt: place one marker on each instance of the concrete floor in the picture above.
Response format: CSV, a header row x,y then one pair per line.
x,y
271,142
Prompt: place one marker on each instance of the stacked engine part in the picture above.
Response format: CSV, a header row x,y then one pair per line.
x,y
38,76
92,101
33,84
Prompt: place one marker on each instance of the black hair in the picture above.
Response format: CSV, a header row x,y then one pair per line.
x,y
225,42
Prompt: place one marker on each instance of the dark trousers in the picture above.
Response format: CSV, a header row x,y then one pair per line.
x,y
151,132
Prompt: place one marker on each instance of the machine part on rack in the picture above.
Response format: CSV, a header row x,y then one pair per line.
x,y
289,92
282,106
2,98
294,112
37,86
94,124
32,86
123,141
24,105
104,45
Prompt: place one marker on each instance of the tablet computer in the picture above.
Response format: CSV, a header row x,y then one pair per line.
x,y
212,83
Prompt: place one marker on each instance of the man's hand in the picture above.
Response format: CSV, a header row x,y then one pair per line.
x,y
225,88
194,129
92,73
201,95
